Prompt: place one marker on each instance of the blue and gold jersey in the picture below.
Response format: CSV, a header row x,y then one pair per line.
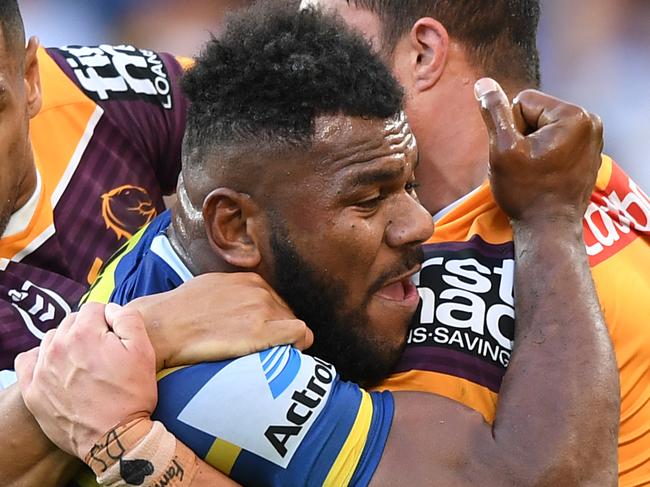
x,y
277,417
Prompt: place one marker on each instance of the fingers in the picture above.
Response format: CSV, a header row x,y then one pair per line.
x,y
25,364
537,109
110,313
540,110
89,323
284,332
66,324
127,323
497,114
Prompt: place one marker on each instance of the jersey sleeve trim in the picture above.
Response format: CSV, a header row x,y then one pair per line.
x,y
165,372
223,455
348,459
104,286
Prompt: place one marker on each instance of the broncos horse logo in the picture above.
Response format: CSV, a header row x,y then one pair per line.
x,y
126,209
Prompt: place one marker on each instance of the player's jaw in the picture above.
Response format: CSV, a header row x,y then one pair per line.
x,y
363,333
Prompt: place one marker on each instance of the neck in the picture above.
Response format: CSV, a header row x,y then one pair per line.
x,y
27,185
18,187
452,138
453,145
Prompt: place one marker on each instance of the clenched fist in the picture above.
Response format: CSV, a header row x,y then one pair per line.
x,y
93,371
544,154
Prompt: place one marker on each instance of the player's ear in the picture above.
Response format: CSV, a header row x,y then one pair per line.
x,y
32,78
421,56
230,219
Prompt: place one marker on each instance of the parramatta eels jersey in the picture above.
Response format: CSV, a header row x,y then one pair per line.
x,y
461,339
272,418
107,146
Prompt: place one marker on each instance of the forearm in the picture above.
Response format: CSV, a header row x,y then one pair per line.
x,y
27,457
559,401
218,316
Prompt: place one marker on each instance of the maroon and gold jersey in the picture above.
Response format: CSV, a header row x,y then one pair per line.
x,y
460,343
107,145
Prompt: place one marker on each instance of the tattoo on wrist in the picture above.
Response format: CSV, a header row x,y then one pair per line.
x,y
134,471
114,450
142,453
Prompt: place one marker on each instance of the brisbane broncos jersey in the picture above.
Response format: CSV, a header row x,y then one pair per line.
x,y
107,147
272,418
461,339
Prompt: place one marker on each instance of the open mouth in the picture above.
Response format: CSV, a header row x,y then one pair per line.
x,y
402,291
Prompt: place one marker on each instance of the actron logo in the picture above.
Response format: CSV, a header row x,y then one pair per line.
x,y
267,402
280,366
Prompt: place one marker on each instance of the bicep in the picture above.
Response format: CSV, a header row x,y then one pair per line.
x,y
436,441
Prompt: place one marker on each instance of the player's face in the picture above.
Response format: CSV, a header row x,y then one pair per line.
x,y
399,61
16,105
346,238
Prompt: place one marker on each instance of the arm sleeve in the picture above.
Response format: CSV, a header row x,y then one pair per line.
x,y
139,92
277,418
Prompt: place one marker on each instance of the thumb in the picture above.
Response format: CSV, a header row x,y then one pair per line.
x,y
294,332
497,114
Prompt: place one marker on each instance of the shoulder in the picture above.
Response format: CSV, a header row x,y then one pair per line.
x,y
276,417
146,264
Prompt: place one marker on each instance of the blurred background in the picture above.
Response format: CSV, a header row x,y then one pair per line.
x,y
594,52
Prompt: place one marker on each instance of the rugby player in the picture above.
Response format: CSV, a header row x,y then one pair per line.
x,y
460,342
89,142
315,193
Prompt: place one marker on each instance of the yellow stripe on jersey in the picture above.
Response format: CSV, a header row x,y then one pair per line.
x,y
165,372
222,455
346,462
101,291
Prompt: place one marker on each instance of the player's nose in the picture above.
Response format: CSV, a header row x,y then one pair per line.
x,y
410,223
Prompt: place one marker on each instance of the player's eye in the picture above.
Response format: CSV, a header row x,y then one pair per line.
x,y
411,186
370,203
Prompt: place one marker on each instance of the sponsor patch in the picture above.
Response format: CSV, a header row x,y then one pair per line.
x,y
120,73
615,217
266,402
467,301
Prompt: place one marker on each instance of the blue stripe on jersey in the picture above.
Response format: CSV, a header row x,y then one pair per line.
x,y
141,272
333,427
177,389
284,370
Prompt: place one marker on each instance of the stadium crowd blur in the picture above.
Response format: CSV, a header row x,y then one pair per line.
x,y
594,53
